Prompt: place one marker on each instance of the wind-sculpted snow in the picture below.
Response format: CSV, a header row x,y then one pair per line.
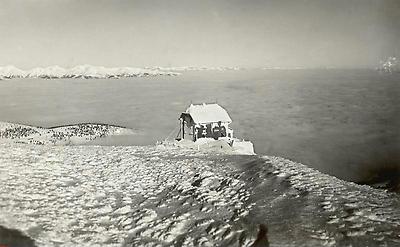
x,y
81,71
62,135
168,196
307,208
103,195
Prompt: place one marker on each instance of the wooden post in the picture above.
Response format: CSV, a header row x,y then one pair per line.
x,y
183,129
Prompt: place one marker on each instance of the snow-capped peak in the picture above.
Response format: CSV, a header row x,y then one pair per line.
x,y
11,71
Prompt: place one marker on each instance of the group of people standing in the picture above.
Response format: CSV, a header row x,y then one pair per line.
x,y
207,131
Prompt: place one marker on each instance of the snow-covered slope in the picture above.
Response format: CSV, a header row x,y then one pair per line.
x,y
64,135
82,71
166,196
87,195
219,146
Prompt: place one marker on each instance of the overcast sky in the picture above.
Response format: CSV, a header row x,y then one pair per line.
x,y
204,32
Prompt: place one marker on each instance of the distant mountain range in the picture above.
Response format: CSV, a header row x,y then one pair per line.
x,y
194,68
86,71
99,72
81,71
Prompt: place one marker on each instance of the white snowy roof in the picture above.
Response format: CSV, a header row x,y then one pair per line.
x,y
208,113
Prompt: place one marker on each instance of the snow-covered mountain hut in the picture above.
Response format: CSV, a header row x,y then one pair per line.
x,y
205,121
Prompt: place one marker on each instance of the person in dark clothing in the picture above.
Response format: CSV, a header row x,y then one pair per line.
x,y
216,132
262,237
209,131
223,131
200,131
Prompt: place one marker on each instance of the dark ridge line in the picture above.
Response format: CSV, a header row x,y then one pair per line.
x,y
69,125
86,123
